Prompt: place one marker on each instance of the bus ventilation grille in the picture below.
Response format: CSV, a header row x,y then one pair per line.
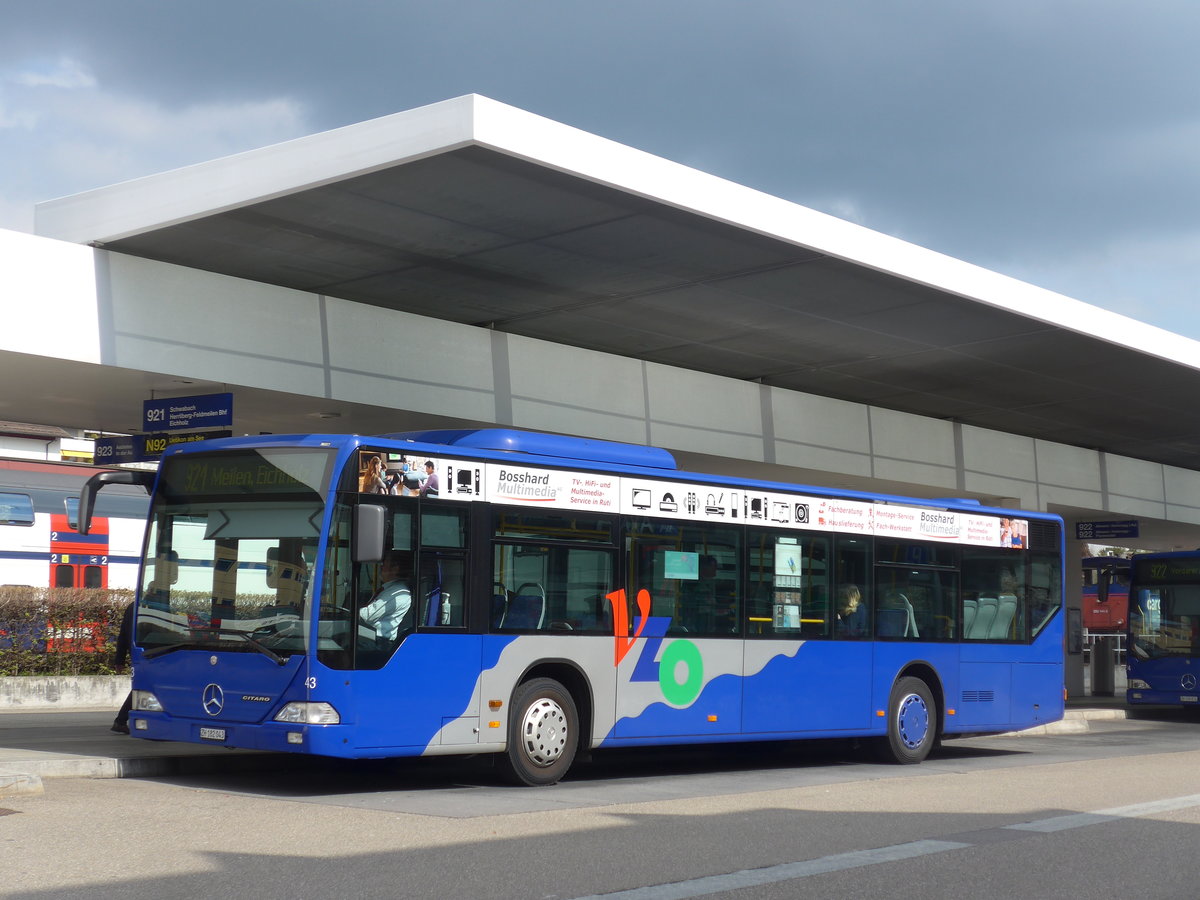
x,y
1043,536
978,696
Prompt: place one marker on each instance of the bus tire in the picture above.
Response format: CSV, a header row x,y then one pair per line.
x,y
912,723
543,733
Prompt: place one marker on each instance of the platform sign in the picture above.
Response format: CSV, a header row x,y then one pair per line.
x,y
133,448
1104,531
114,451
152,446
179,413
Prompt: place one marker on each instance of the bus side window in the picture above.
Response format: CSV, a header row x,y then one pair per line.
x,y
995,600
693,575
789,585
851,613
442,591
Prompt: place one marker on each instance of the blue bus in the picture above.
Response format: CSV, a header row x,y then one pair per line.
x,y
538,596
1163,644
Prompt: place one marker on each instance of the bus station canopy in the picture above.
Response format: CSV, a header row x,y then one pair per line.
x,y
476,212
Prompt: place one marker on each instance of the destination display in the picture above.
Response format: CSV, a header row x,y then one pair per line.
x,y
263,471
631,495
1166,570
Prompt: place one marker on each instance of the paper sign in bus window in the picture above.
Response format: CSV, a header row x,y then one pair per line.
x,y
789,563
684,566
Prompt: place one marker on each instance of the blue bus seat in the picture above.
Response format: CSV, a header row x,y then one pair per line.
x,y
896,615
499,604
527,608
890,622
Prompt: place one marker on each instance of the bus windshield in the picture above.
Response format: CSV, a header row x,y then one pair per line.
x,y
1164,615
230,549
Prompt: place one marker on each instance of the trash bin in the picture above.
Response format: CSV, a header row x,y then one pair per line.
x,y
1102,666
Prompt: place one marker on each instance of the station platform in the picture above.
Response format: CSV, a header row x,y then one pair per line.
x,y
78,743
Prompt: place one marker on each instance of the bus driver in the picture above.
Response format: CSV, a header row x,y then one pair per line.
x,y
387,609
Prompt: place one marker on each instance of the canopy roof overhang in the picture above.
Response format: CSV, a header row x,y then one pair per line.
x,y
479,213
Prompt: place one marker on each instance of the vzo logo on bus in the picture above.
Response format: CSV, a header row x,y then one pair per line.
x,y
680,670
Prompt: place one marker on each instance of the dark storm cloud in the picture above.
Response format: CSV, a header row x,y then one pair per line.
x,y
1048,140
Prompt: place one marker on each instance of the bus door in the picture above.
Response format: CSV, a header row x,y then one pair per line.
x,y
808,663
681,673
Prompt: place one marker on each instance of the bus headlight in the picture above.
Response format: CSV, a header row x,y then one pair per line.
x,y
146,702
1136,684
303,713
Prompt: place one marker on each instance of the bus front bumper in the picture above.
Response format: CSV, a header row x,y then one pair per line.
x,y
1143,696
324,740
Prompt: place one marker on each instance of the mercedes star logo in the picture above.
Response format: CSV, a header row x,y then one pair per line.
x,y
213,699
1188,682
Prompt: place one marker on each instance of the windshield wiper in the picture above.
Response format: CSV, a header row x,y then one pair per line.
x,y
168,648
265,651
199,645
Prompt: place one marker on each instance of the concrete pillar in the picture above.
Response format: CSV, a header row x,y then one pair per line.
x,y
1073,608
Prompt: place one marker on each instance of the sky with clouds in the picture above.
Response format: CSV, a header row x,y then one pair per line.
x,y
1058,142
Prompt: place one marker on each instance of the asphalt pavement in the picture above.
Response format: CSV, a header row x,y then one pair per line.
x,y
78,743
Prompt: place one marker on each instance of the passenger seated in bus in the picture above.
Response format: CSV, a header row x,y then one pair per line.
x,y
387,609
851,619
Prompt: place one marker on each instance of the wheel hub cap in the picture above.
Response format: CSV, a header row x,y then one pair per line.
x,y
544,732
912,720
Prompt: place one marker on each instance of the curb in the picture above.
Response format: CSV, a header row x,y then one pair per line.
x,y
1074,721
33,771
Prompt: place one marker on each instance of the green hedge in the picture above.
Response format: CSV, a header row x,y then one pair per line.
x,y
60,631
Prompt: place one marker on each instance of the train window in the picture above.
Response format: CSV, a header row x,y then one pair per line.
x,y
15,509
64,576
93,577
72,506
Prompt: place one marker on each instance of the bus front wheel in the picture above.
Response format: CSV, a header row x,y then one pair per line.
x,y
912,719
543,733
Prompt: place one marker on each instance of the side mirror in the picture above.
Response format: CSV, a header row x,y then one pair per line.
x,y
369,522
1102,585
87,495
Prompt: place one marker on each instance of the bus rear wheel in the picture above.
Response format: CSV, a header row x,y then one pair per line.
x,y
912,719
543,733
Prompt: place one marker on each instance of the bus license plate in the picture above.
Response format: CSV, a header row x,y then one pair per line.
x,y
1189,698
212,734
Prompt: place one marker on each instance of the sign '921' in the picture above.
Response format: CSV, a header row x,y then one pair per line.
x,y
176,413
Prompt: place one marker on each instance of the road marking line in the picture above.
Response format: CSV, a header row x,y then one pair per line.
x,y
715,884
1133,811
